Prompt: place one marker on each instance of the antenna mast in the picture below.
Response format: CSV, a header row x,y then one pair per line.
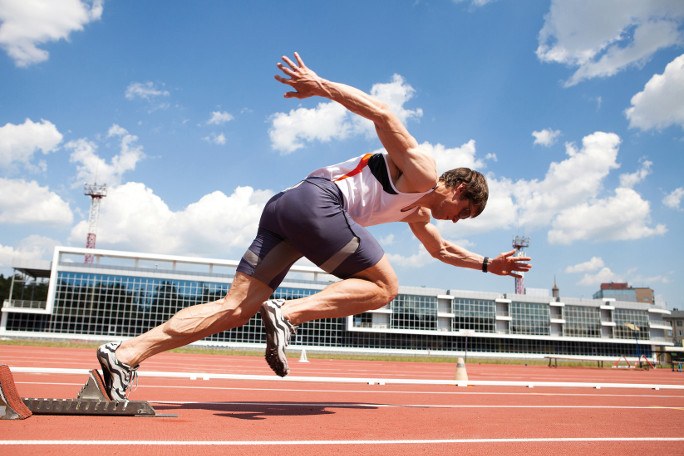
x,y
520,243
96,192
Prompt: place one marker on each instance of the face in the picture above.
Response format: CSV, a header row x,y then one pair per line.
x,y
454,206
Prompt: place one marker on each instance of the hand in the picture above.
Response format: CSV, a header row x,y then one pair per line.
x,y
305,82
507,264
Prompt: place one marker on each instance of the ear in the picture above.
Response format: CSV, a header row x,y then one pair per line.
x,y
459,189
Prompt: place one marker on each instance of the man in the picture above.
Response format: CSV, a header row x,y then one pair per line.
x,y
323,218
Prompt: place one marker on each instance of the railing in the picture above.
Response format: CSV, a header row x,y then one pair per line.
x,y
24,304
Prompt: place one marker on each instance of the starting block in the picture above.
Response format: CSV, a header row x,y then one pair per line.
x,y
91,400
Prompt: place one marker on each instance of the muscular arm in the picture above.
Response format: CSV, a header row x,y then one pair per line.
x,y
415,168
450,253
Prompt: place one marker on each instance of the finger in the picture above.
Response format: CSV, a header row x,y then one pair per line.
x,y
299,59
279,78
293,95
287,60
285,69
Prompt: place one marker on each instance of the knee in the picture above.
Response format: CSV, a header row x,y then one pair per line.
x,y
232,313
388,290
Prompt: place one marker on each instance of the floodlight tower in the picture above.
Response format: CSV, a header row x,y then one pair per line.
x,y
96,192
519,244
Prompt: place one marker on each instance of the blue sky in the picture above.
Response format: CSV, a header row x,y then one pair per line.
x,y
574,111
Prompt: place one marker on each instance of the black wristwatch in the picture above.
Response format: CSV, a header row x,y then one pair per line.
x,y
485,264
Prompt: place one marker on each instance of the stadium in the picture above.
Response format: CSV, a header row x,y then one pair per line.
x,y
116,295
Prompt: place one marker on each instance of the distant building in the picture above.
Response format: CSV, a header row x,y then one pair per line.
x,y
621,291
676,319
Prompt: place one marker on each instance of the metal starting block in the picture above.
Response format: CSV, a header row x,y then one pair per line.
x,y
91,400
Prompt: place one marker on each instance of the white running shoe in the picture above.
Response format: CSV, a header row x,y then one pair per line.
x,y
278,331
117,376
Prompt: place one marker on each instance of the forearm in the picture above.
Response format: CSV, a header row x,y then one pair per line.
x,y
356,101
454,255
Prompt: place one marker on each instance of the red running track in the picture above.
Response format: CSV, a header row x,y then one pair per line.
x,y
222,416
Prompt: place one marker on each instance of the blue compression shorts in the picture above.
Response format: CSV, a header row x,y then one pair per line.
x,y
309,220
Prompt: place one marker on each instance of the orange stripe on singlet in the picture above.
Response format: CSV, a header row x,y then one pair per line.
x,y
359,167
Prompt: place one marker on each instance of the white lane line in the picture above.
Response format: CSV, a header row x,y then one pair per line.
x,y
336,442
369,380
527,393
425,406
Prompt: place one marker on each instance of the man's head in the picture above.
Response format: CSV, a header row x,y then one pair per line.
x,y
474,187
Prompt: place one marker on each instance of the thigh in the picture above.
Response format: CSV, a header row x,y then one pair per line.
x,y
312,219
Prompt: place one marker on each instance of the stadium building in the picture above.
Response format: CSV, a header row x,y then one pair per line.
x,y
122,294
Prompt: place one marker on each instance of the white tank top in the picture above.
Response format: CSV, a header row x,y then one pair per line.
x,y
370,196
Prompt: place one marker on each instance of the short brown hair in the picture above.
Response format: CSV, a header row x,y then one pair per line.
x,y
476,188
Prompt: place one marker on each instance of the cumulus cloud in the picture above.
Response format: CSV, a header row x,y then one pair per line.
x,y
600,39
632,179
32,203
571,200
593,264
448,158
673,200
27,24
29,249
623,216
568,182
19,143
661,103
218,139
594,272
546,137
93,168
331,121
133,217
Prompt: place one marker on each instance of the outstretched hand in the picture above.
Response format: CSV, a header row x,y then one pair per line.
x,y
507,264
305,82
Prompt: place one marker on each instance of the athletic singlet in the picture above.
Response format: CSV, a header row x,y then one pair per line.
x,y
370,197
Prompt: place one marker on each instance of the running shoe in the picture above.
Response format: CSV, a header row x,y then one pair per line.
x,y
278,331
117,375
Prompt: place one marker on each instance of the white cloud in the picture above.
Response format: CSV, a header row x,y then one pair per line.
x,y
218,139
546,137
145,91
331,121
219,117
630,180
325,122
132,217
93,168
19,143
29,249
416,260
661,103
568,182
624,216
673,200
602,38
31,203
604,275
593,264
570,201
27,24
448,158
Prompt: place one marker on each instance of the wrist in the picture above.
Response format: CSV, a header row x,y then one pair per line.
x,y
485,264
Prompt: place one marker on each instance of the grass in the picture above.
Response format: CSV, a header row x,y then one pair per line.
x,y
417,358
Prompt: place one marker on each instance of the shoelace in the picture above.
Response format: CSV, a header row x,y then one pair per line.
x,y
132,382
